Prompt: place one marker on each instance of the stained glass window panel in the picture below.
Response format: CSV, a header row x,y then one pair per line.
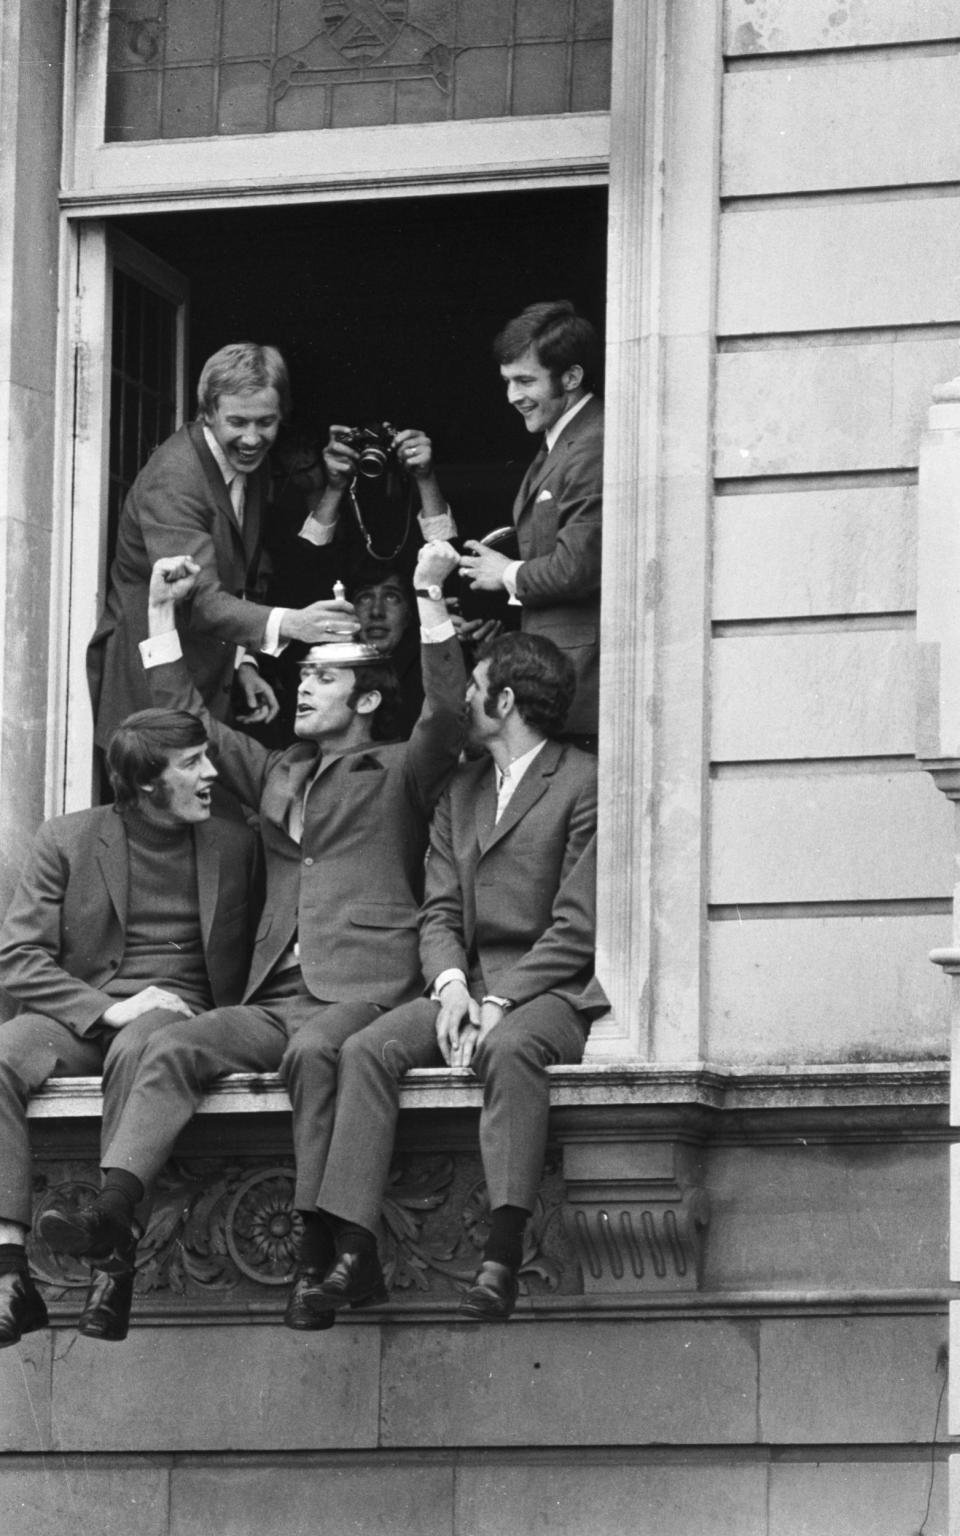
x,y
179,69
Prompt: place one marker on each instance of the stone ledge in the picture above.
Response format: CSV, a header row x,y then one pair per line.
x,y
870,1085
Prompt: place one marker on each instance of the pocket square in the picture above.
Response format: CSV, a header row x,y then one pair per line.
x,y
545,496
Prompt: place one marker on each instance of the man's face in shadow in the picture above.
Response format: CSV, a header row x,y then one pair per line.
x,y
384,611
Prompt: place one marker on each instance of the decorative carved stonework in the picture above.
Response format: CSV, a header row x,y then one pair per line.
x,y
228,1232
636,1215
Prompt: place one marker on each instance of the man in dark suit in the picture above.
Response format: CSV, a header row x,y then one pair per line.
x,y
344,816
550,362
202,494
507,949
126,918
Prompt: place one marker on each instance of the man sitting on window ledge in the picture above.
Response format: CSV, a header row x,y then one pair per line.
x,y
507,948
127,918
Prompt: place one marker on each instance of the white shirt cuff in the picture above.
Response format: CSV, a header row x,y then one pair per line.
x,y
510,582
156,650
438,525
317,533
272,644
435,634
453,974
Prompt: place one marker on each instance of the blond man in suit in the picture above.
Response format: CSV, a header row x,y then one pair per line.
x,y
203,493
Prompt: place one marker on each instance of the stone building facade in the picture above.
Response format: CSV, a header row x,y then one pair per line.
x,y
735,1319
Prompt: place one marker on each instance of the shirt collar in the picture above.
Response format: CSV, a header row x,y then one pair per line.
x,y
223,463
519,766
552,433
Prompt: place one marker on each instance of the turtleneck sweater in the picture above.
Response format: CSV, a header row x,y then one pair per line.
x,y
162,944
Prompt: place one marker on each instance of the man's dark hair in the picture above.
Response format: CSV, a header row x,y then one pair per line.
x,y
240,369
141,747
380,677
559,338
541,676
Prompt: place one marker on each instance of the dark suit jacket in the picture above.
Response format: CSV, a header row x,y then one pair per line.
x,y
557,516
178,505
513,903
62,940
350,890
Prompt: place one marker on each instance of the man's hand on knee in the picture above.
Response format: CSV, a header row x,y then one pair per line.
x,y
126,1009
457,1023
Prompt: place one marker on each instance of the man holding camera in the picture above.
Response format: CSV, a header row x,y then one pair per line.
x,y
550,362
344,816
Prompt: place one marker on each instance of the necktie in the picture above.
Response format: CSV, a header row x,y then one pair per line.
x,y
536,464
238,496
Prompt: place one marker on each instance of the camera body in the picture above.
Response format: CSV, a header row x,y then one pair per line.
x,y
375,445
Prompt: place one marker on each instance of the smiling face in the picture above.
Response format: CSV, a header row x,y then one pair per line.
x,y
532,390
245,426
182,791
383,609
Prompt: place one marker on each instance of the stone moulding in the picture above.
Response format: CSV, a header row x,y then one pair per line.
x,y
622,1216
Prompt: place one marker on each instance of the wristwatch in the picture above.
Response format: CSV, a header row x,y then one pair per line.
x,y
433,592
504,1003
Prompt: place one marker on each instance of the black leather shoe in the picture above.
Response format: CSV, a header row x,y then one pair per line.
x,y
89,1233
492,1296
299,1313
22,1308
106,1311
354,1280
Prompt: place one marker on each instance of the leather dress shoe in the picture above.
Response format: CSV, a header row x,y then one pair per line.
x,y
89,1233
354,1280
492,1296
22,1308
106,1311
299,1314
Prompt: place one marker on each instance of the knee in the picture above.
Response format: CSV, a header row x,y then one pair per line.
x,y
367,1055
308,1050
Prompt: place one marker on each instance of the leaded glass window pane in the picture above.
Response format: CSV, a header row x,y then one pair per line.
x,y
196,68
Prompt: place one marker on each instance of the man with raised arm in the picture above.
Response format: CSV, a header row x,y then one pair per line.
x,y
507,950
127,918
344,815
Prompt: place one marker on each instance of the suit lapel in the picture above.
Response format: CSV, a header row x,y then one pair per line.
x,y
217,484
114,865
532,786
485,805
208,877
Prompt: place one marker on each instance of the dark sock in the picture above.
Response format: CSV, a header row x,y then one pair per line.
x,y
120,1195
317,1248
505,1242
13,1258
350,1238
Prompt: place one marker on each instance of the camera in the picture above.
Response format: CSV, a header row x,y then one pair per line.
x,y
374,444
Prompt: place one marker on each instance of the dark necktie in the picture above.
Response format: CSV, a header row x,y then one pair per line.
x,y
535,466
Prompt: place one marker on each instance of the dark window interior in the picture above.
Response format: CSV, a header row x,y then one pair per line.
x,y
386,310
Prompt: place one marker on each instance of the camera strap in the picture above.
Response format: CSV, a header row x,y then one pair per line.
x,y
365,532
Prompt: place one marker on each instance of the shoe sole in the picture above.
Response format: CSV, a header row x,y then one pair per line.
x,y
105,1335
62,1234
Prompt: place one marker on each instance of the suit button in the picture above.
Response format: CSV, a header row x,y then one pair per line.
x,y
308,861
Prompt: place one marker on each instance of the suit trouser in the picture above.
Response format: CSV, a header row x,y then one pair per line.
x,y
284,1029
34,1048
510,1063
